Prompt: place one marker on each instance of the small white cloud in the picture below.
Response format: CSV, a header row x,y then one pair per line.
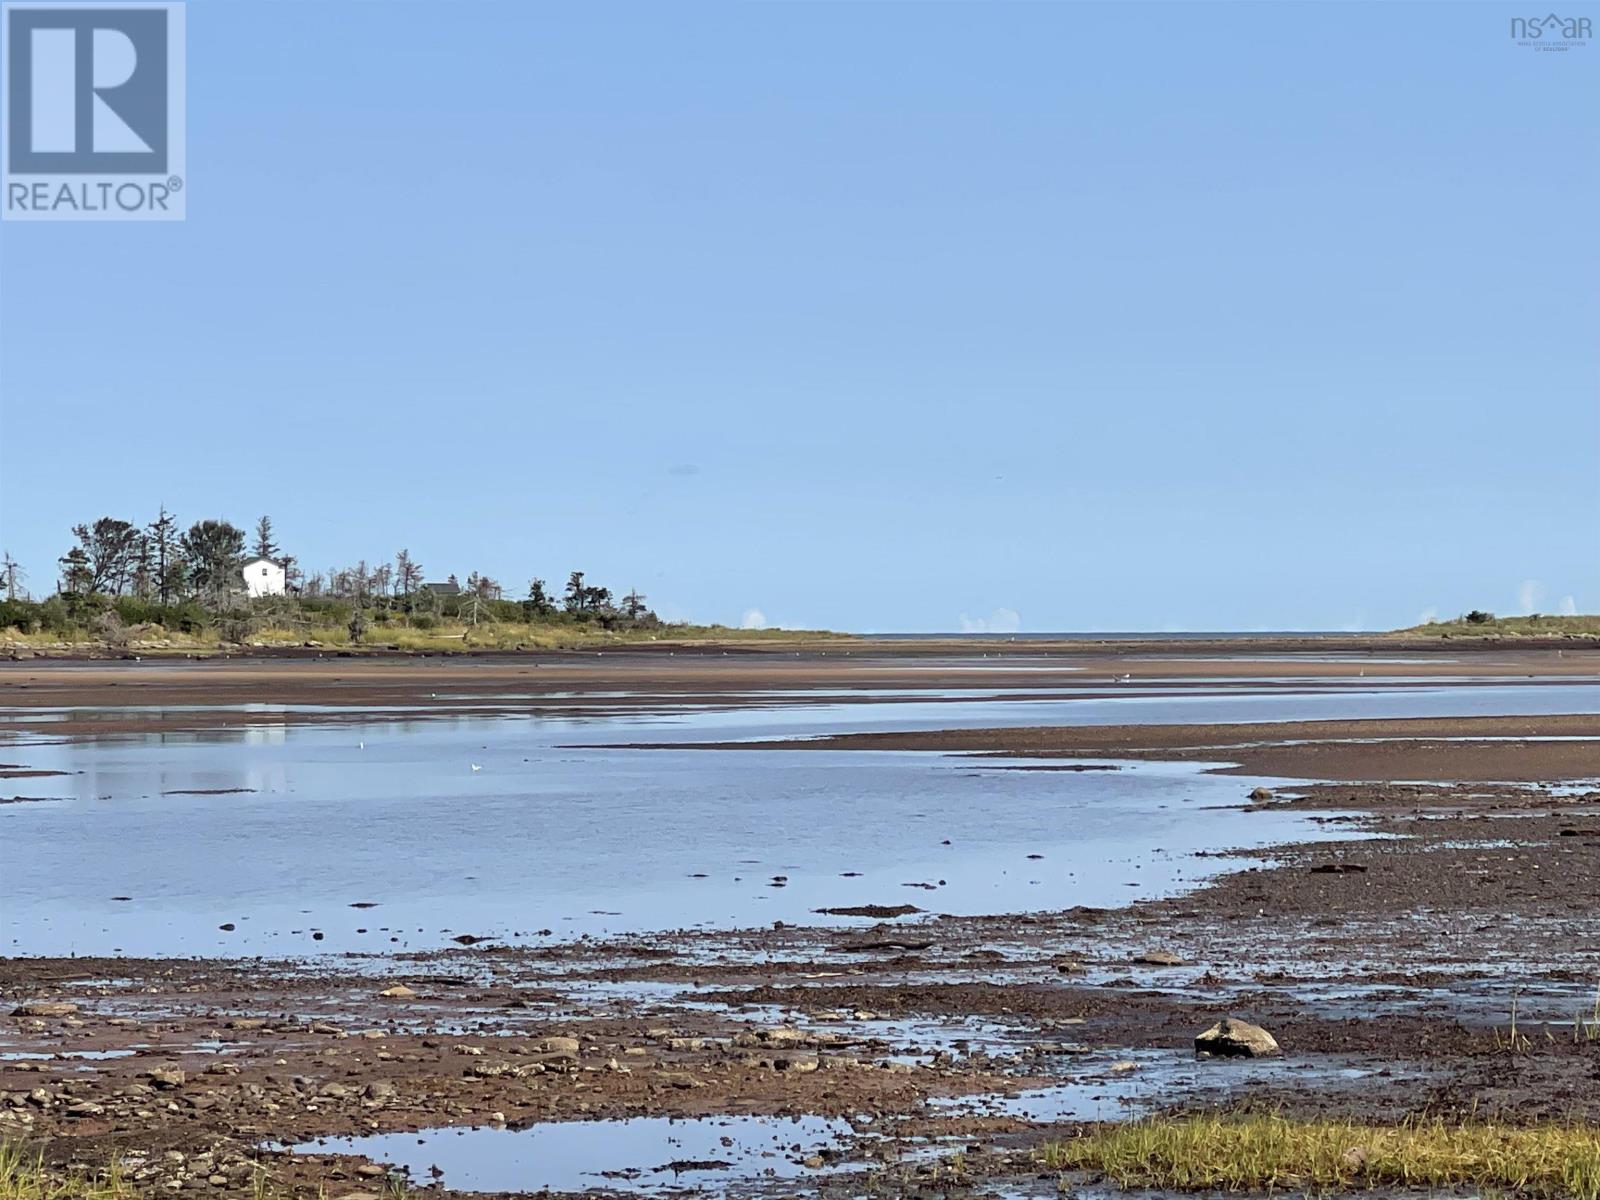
x,y
1530,595
1001,620
1429,615
754,618
1569,606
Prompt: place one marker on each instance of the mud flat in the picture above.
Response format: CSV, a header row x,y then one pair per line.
x,y
1428,947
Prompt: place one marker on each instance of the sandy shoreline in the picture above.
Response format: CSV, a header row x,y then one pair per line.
x,y
1385,966
1433,749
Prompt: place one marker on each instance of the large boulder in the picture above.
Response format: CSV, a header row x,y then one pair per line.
x,y
1232,1038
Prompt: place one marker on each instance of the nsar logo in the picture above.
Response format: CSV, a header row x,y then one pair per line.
x,y
93,114
1551,32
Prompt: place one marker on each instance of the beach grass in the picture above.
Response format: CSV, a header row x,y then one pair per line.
x,y
1536,625
1263,1153
23,1177
438,636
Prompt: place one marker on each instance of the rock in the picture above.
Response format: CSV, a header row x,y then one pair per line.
x,y
85,1108
881,911
45,1008
245,1023
1158,958
782,1035
381,1089
166,1077
558,1045
1231,1038
370,1170
398,992
1338,868
1261,795
334,1091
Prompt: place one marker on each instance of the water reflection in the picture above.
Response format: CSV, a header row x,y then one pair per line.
x,y
495,826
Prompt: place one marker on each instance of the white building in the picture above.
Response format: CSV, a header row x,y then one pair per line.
x,y
264,577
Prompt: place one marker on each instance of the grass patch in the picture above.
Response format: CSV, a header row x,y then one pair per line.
x,y
438,636
1538,625
23,1177
1266,1153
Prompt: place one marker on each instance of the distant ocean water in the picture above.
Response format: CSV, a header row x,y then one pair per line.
x,y
1143,635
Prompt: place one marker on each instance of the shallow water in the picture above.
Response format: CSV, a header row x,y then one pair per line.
x,y
642,1155
497,826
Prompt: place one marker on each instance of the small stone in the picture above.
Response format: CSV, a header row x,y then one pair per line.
x,y
1158,958
782,1035
45,1008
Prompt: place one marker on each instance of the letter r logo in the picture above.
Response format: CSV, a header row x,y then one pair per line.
x,y
86,89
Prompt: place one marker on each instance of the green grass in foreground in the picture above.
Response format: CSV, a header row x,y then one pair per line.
x,y
1264,1153
23,1178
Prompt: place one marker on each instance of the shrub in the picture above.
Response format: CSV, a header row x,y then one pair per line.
x,y
107,627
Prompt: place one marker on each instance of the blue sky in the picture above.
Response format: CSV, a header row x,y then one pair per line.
x,y
863,315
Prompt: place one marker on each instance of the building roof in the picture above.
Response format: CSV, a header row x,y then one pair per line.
x,y
442,589
260,558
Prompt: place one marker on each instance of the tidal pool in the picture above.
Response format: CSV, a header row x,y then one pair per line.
x,y
644,1154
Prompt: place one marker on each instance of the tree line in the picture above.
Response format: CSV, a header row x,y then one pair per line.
x,y
114,564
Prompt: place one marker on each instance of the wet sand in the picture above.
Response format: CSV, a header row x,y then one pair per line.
x,y
1434,749
149,696
1388,969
